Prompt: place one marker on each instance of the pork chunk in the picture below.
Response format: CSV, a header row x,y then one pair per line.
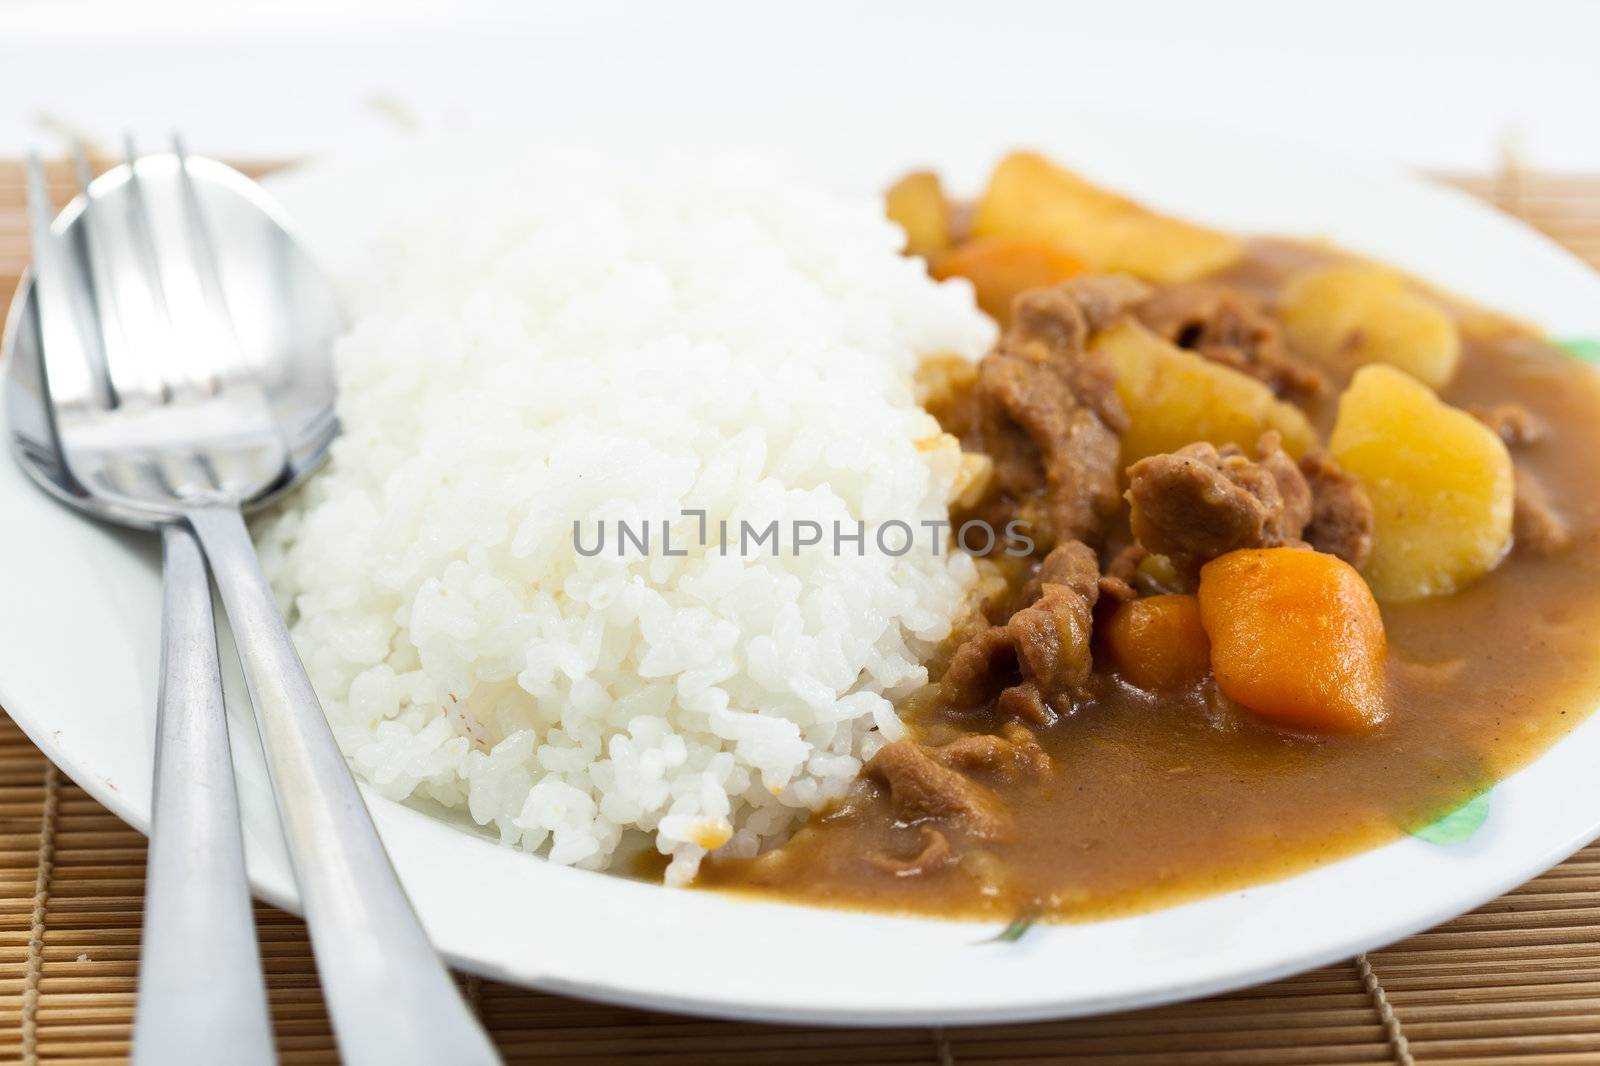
x,y
1040,658
1512,422
1052,643
1200,502
1103,298
1229,326
1013,753
1341,513
934,853
1125,580
1536,527
1048,410
978,669
922,788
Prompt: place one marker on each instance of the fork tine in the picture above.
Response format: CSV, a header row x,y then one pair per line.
x,y
104,321
81,168
204,257
40,214
62,309
144,250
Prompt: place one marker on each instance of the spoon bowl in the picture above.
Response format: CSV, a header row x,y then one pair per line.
x,y
284,321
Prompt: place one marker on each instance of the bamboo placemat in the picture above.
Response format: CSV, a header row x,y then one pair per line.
x,y
1515,982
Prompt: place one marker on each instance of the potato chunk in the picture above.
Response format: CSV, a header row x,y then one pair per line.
x,y
1352,314
1440,481
1295,637
1029,196
1001,267
1174,397
918,203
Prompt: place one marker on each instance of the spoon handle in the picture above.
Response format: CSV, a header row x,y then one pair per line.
x,y
202,999
391,999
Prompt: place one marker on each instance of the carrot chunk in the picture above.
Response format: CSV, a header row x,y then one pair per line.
x,y
1158,642
1295,637
1001,267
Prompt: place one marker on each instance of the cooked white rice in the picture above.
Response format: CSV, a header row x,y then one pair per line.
x,y
591,344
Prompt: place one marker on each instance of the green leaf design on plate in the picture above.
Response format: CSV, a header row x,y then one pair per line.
x,y
1457,826
1585,348
1013,932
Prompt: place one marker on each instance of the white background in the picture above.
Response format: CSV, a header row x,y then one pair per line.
x,y
1418,84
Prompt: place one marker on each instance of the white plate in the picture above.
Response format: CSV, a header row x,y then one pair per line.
x,y
78,643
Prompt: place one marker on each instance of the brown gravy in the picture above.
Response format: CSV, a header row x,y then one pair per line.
x,y
1155,800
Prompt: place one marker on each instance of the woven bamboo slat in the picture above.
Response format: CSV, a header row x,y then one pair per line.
x,y
1517,981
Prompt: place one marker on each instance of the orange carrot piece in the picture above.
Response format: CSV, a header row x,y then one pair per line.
x,y
1001,267
1295,637
1158,642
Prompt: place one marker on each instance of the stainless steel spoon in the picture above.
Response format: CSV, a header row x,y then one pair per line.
x,y
201,997
178,372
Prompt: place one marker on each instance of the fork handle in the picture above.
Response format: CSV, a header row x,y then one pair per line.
x,y
391,999
201,995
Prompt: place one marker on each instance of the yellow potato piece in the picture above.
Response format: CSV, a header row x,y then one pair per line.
x,y
1029,196
918,203
1440,481
1353,314
1175,397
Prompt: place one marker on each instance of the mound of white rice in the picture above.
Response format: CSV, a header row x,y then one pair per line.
x,y
592,345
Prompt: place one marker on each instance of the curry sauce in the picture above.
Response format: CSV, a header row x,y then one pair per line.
x,y
1153,798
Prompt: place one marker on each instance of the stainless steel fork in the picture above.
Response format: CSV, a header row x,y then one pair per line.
x,y
162,418
202,997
